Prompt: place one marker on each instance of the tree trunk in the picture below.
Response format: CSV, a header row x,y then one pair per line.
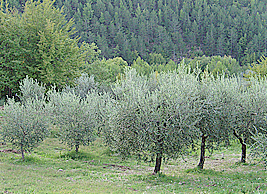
x,y
9,92
76,148
158,162
244,150
202,153
22,152
159,154
244,147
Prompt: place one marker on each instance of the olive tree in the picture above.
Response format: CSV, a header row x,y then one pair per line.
x,y
25,123
120,114
216,115
154,117
177,109
83,85
31,89
250,112
259,147
75,116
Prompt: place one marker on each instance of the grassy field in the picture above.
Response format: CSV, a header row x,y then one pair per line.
x,y
52,168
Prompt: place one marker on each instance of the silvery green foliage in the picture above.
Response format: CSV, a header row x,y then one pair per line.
x,y
257,103
104,109
259,147
251,109
177,108
83,85
124,133
76,116
31,89
25,124
154,121
219,97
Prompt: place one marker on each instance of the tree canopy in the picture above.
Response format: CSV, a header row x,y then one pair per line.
x,y
39,43
175,29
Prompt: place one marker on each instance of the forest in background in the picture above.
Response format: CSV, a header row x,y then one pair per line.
x,y
56,41
173,28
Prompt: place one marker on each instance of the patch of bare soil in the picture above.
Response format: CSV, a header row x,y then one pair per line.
x,y
7,192
11,151
217,162
123,168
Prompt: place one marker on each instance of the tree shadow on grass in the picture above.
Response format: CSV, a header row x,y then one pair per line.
x,y
29,159
77,156
197,170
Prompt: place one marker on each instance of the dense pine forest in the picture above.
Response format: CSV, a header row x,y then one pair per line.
x,y
147,35
173,28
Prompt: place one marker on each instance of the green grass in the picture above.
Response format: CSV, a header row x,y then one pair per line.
x,y
52,168
2,101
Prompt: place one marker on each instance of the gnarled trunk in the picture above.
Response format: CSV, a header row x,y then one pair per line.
x,y
244,151
159,153
202,153
22,151
244,147
76,148
158,162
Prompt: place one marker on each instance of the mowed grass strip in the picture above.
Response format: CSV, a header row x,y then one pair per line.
x,y
52,168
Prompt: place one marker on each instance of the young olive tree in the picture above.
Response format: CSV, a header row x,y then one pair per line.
x,y
250,112
25,123
153,117
83,85
75,116
31,90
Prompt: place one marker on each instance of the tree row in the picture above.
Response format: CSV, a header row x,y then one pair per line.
x,y
155,117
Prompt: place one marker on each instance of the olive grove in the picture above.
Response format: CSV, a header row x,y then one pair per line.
x,y
154,118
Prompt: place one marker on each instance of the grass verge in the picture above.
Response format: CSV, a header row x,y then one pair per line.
x,y
52,168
